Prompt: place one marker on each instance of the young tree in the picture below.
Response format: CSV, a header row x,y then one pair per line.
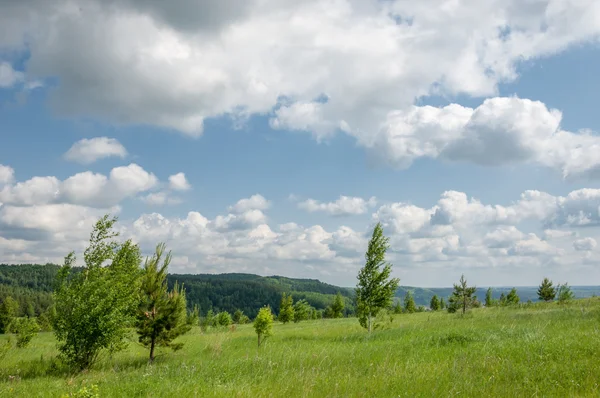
x,y
263,324
442,304
240,318
25,329
9,309
337,307
512,298
397,309
375,288
301,310
502,300
434,304
489,301
409,303
564,293
546,291
162,315
462,296
95,307
224,319
193,316
286,309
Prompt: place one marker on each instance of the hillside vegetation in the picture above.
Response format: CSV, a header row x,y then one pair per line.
x,y
543,349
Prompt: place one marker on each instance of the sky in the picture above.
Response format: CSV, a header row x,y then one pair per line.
x,y
270,136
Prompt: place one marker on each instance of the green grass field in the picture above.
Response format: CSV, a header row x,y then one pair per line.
x,y
539,351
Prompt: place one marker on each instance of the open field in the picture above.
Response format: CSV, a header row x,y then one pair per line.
x,y
538,350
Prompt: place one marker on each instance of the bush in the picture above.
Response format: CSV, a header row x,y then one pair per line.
x,y
25,329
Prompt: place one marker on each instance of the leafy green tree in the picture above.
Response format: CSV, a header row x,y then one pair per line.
x,y
96,306
25,329
462,297
409,303
193,316
162,315
489,301
512,298
9,309
434,304
338,306
301,310
546,291
286,309
237,315
375,289
263,324
224,319
564,293
442,304
502,300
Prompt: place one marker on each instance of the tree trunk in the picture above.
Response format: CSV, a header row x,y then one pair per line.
x,y
369,320
152,344
464,305
259,339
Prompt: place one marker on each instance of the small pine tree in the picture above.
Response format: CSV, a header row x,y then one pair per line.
x,y
224,319
397,307
301,310
337,307
434,304
286,309
442,304
462,296
546,291
489,301
237,316
375,289
263,324
512,298
193,316
502,300
409,303
564,293
162,315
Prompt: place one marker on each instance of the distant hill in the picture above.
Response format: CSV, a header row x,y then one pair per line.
x,y
31,285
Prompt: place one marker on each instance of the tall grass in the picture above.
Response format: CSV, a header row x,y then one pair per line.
x,y
536,350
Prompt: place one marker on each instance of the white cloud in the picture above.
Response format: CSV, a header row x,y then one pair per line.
x,y
254,202
344,206
88,151
7,174
178,182
160,199
8,76
585,244
86,188
320,66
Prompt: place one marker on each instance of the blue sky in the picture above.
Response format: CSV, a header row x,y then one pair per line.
x,y
408,116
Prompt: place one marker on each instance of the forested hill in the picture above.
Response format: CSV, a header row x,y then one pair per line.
x,y
31,285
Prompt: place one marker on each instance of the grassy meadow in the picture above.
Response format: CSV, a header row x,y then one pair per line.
x,y
541,350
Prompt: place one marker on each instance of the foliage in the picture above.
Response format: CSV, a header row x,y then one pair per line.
x,y
564,293
462,297
85,392
8,310
161,316
263,324
193,316
546,291
224,319
442,304
397,308
489,301
435,303
512,298
337,307
302,310
286,308
375,289
240,318
409,303
95,307
25,329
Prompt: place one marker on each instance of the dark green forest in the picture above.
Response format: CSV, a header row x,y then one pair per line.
x,y
31,286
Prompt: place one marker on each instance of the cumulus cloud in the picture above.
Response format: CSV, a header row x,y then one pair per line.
x,y
344,206
313,66
178,182
86,188
160,199
254,202
8,76
88,151
585,244
7,174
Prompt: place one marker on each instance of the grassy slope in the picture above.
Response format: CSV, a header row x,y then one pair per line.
x,y
543,350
